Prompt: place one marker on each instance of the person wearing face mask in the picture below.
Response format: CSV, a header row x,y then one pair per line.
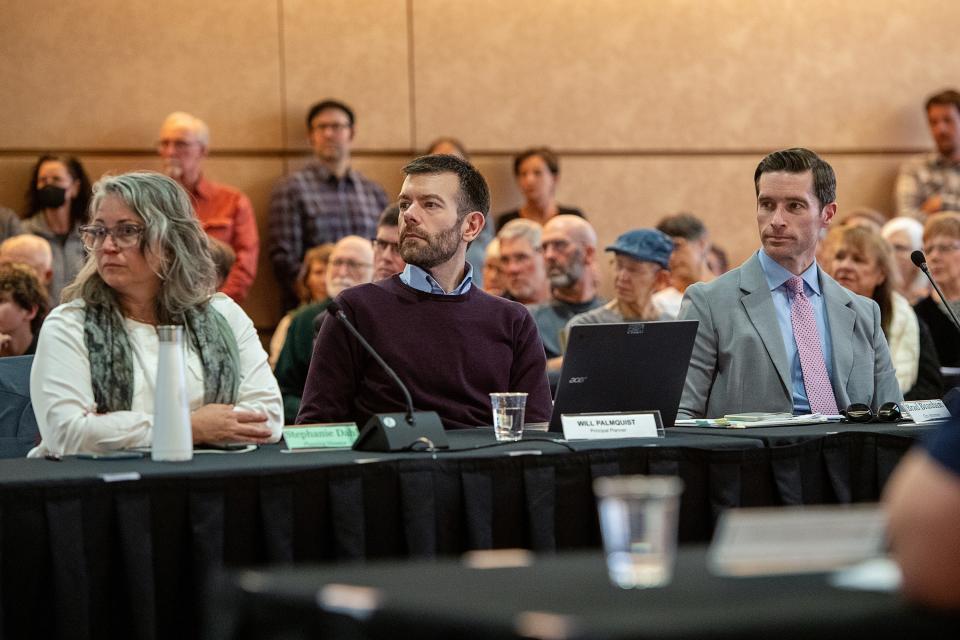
x,y
537,172
57,200
351,263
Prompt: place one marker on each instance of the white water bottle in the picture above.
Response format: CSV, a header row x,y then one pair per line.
x,y
172,434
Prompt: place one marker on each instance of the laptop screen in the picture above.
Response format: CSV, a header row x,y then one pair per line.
x,y
625,367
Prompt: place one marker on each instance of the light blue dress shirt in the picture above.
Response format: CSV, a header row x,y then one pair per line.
x,y
421,280
777,277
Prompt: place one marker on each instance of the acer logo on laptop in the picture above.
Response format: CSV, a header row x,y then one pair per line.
x,y
577,380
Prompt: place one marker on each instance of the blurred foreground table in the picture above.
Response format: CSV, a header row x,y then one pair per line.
x,y
561,597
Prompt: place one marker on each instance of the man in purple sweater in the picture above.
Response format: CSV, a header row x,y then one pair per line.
x,y
449,341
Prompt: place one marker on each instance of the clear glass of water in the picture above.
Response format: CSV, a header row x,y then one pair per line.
x,y
638,521
508,410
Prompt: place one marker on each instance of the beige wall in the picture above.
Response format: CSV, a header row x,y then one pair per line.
x,y
655,105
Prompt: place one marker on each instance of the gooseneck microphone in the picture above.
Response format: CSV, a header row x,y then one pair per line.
x,y
920,260
385,431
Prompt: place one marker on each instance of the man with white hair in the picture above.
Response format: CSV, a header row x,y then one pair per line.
x,y
905,235
569,247
33,251
224,212
521,262
351,263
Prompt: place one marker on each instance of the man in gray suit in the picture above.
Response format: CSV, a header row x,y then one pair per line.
x,y
777,333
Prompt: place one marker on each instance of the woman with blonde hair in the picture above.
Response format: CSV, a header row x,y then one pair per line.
x,y
862,261
94,375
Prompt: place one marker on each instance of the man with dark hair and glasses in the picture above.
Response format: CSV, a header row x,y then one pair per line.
x,y
386,246
777,333
324,201
449,341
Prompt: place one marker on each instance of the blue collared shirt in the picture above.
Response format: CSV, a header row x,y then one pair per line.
x,y
777,277
421,280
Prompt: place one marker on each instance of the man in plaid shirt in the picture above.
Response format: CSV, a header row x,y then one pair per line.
x,y
323,202
931,182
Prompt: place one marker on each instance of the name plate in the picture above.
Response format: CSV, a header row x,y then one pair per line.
x,y
337,435
926,410
601,426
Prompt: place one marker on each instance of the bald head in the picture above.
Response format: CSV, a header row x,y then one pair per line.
x,y
351,263
573,228
569,248
30,250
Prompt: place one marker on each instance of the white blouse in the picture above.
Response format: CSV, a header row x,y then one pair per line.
x,y
62,393
904,341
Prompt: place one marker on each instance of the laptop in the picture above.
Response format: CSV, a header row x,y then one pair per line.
x,y
624,367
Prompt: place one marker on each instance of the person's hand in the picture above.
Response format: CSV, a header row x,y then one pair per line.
x,y
932,204
215,423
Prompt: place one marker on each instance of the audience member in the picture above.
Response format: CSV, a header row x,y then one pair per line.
x,y
941,245
351,263
492,273
521,262
326,200
33,251
905,235
923,503
223,257
311,286
476,343
641,262
777,333
717,260
9,224
688,263
931,182
23,305
148,265
386,247
862,217
863,263
57,201
569,246
448,146
537,172
225,213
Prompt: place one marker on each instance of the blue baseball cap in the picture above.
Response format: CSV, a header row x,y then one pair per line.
x,y
648,245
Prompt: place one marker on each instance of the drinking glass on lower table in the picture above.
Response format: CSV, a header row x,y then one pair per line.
x,y
638,521
508,410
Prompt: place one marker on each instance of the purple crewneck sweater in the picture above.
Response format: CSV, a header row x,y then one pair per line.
x,y
450,351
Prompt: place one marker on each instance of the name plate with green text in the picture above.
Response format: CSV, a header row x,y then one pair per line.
x,y
335,435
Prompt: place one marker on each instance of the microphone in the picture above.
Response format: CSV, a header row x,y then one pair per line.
x,y
920,260
386,431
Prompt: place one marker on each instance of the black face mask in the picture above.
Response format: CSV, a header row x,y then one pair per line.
x,y
51,197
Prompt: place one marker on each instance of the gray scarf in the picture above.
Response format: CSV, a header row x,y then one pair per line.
x,y
111,360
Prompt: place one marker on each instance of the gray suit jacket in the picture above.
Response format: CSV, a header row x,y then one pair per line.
x,y
739,362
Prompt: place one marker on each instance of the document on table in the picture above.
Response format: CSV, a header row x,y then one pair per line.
x,y
784,540
777,420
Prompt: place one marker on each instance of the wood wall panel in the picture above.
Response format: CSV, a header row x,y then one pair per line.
x,y
104,74
355,51
681,74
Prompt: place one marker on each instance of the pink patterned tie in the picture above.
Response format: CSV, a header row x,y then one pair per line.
x,y
815,378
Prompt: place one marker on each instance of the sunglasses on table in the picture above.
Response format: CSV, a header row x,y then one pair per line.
x,y
860,412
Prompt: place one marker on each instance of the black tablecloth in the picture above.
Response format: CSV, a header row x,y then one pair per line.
x,y
118,548
565,596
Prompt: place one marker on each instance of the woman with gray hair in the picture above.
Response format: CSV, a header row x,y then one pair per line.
x,y
94,374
